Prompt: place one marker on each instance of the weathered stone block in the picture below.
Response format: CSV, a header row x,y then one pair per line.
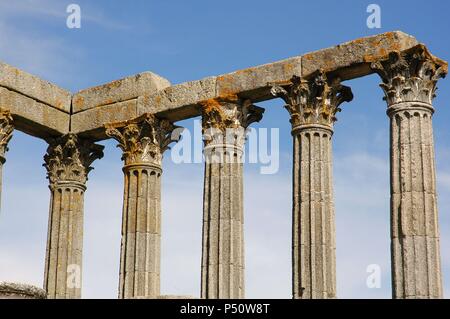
x,y
181,97
352,58
33,117
119,91
30,85
93,120
253,82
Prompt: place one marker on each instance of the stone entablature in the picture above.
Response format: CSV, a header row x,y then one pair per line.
x,y
43,109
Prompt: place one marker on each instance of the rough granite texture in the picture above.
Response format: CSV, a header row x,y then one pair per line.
x,y
118,91
352,59
20,291
33,117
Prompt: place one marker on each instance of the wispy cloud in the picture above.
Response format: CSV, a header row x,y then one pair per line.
x,y
53,9
48,57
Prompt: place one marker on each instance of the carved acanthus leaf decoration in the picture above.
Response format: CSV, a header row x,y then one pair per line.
x,y
69,159
313,101
226,120
410,76
144,139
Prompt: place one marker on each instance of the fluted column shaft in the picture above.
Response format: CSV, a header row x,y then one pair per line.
x,y
6,130
141,232
224,124
414,215
68,161
223,227
143,141
314,256
65,241
313,104
409,82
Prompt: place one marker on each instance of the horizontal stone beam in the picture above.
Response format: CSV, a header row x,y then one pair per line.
x,y
352,59
118,91
42,109
33,117
348,61
39,108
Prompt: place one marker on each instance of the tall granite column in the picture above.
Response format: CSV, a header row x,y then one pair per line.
x,y
68,162
6,130
224,124
143,142
313,105
409,84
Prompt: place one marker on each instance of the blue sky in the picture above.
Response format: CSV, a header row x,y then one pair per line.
x,y
188,40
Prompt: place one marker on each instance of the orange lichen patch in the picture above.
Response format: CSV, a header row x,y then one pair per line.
x,y
288,67
382,51
380,54
215,105
280,83
247,70
226,85
230,97
392,41
212,109
78,101
308,56
210,105
358,41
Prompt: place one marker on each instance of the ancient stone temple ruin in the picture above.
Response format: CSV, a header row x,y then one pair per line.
x,y
140,112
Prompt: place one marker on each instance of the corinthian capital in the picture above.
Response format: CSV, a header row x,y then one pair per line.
x,y
229,113
313,101
69,159
410,76
225,120
143,140
6,130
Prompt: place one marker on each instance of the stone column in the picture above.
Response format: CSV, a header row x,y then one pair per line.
x,y
409,84
313,104
143,142
68,162
6,130
224,124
